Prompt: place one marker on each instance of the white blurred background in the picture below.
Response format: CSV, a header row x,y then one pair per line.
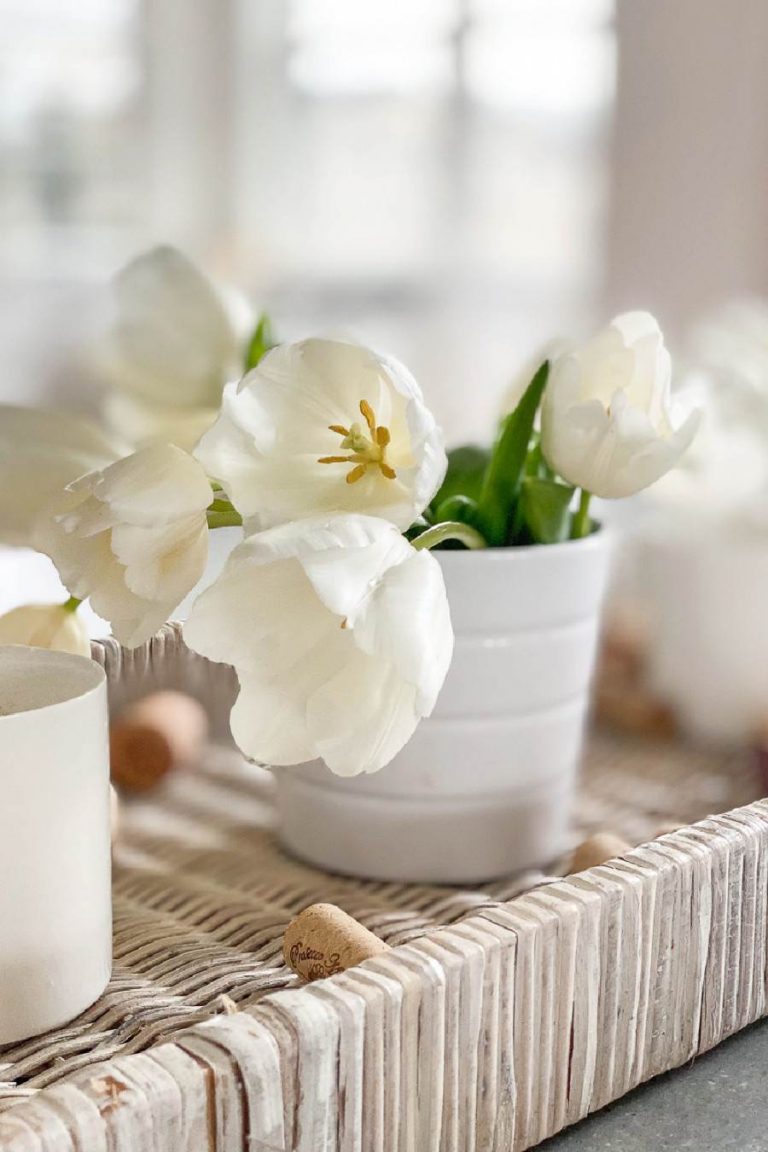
x,y
452,181
431,176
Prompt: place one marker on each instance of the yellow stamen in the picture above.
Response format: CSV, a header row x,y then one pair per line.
x,y
365,450
369,417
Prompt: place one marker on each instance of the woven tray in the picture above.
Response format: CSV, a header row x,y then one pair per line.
x,y
498,1019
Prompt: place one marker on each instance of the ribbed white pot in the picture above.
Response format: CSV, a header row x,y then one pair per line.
x,y
486,784
55,894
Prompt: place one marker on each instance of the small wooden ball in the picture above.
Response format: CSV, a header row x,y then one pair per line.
x,y
596,850
760,752
624,645
154,736
668,826
633,709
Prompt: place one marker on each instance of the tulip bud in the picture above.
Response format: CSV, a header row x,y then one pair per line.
x,y
55,626
606,422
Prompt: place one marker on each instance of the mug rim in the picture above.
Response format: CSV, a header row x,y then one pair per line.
x,y
89,676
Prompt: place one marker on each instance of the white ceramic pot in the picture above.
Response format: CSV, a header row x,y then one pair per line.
x,y
709,650
55,900
485,786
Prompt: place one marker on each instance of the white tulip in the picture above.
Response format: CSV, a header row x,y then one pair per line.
x,y
174,343
132,538
606,418
46,626
341,636
142,424
325,426
40,453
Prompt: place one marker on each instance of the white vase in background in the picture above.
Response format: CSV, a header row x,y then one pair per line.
x,y
708,584
55,898
485,785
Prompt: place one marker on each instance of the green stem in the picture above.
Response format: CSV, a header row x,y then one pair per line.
x,y
450,530
581,525
221,513
72,604
224,518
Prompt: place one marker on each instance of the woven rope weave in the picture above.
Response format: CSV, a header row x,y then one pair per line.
x,y
202,894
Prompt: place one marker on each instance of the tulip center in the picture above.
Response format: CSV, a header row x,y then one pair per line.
x,y
366,446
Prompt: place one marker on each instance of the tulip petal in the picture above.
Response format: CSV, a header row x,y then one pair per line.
x,y
142,423
132,538
406,623
40,453
366,736
173,343
158,484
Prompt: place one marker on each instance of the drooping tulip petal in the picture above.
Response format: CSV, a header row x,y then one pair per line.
x,y
132,538
141,423
324,426
341,636
607,424
175,341
42,451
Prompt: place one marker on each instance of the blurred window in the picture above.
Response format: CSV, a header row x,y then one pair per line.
x,y
69,78
429,176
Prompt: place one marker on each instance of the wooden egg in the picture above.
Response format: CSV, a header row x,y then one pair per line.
x,y
596,849
154,736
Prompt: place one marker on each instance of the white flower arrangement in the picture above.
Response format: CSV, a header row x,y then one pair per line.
x,y
333,609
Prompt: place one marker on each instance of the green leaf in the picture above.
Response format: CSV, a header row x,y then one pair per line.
x,y
503,476
534,459
462,508
466,468
457,509
545,508
260,342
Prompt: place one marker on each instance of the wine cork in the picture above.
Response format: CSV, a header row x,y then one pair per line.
x,y
153,736
596,850
323,940
633,709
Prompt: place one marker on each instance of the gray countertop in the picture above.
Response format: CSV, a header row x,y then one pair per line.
x,y
717,1103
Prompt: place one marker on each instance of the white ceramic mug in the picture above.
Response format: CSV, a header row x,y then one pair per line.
x,y
55,894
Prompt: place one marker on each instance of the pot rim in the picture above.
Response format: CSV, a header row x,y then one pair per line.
x,y
594,542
